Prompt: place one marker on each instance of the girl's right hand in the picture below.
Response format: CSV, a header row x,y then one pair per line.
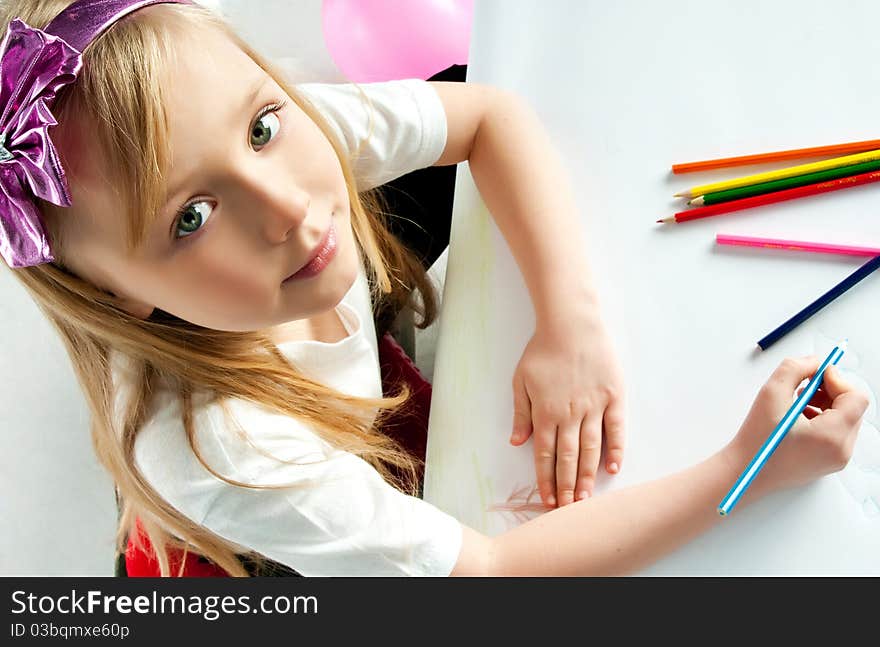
x,y
820,442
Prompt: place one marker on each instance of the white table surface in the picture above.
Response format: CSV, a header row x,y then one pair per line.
x,y
626,89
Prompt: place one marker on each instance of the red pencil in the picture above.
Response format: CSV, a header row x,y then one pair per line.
x,y
777,196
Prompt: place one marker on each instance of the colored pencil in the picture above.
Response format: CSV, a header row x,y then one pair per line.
x,y
796,245
771,338
775,156
769,176
776,196
782,428
785,183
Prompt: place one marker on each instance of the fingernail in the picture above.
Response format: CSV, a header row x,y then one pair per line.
x,y
613,467
551,500
584,494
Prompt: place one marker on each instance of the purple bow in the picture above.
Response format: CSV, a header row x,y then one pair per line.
x,y
34,65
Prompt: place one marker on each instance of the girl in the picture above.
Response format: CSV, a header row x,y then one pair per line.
x,y
210,274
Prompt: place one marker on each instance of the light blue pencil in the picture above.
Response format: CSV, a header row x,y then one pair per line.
x,y
778,434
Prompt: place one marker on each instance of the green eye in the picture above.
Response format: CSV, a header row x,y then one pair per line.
x,y
192,216
265,129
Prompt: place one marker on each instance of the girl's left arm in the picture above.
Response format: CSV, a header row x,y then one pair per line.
x,y
567,386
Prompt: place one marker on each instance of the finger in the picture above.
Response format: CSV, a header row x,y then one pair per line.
x,y
591,450
811,412
567,446
545,460
834,384
791,372
820,398
845,398
614,436
522,412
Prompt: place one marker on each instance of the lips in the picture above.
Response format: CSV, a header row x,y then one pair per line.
x,y
320,258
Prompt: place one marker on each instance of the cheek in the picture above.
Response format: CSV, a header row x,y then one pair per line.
x,y
228,273
350,260
326,171
351,243
209,282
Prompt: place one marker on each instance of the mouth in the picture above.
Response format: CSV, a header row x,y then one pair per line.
x,y
320,257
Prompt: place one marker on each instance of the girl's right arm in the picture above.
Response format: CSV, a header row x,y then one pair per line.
x,y
625,530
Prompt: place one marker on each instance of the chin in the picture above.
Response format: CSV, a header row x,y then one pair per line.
x,y
348,276
345,268
336,284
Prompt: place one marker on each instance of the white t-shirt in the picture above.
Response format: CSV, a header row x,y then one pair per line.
x,y
339,517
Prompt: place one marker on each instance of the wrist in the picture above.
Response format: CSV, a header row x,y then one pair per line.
x,y
578,308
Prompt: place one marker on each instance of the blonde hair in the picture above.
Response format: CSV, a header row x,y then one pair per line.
x,y
120,89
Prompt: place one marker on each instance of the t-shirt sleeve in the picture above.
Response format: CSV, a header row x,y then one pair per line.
x,y
339,519
389,129
335,515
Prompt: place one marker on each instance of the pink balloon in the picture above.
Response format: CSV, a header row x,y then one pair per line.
x,y
381,40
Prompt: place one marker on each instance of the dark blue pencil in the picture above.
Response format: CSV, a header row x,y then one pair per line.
x,y
820,303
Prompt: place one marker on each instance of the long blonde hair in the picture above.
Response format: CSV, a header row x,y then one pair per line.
x,y
119,88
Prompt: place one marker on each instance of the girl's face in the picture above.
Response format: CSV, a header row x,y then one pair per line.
x,y
253,189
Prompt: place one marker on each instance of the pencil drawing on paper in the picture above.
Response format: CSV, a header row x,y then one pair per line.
x,y
524,503
861,477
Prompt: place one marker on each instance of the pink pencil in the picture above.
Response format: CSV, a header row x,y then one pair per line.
x,y
796,245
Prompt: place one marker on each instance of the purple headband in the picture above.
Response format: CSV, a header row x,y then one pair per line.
x,y
34,65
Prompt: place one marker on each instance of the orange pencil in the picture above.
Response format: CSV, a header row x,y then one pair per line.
x,y
835,149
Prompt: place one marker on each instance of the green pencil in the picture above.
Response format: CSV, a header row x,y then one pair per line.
x,y
785,183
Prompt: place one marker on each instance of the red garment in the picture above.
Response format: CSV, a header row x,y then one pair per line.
x,y
409,428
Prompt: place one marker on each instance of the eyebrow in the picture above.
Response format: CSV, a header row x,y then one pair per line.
x,y
234,118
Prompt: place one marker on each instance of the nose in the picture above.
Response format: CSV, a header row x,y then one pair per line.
x,y
273,204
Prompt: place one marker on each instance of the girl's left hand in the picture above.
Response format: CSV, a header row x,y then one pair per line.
x,y
567,388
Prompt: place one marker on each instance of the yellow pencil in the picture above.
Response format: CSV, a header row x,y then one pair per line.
x,y
780,174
